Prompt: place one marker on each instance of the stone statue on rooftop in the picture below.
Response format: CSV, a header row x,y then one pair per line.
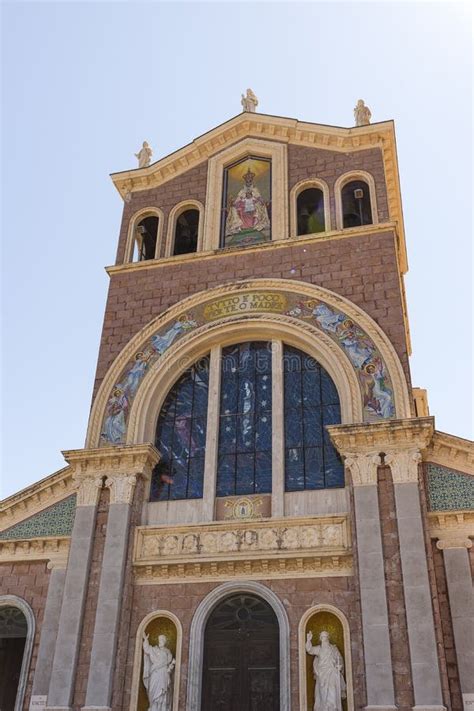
x,y
249,101
144,155
362,114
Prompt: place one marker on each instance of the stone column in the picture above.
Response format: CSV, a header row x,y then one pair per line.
x,y
124,469
212,438
278,431
49,629
61,685
362,460
402,454
461,603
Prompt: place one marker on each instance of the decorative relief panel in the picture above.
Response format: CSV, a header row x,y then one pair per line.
x,y
57,520
293,547
449,490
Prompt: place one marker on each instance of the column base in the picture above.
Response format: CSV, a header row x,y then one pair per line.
x,y
96,708
421,707
380,708
58,708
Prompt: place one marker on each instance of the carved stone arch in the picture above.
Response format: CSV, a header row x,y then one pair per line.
x,y
196,639
137,659
279,326
134,220
296,190
347,178
18,602
302,653
176,211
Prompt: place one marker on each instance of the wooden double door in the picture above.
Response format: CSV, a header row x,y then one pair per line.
x,y
241,657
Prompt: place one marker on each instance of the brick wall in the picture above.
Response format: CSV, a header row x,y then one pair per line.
x,y
297,596
362,268
28,581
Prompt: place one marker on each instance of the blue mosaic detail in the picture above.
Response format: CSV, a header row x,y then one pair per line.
x,y
449,490
57,520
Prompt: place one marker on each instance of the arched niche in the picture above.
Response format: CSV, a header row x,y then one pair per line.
x,y
173,219
156,623
307,317
17,623
196,639
135,221
332,620
353,176
296,191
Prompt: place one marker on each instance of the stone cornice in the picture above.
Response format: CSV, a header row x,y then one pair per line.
x,y
35,498
283,130
389,436
53,549
450,451
453,529
267,548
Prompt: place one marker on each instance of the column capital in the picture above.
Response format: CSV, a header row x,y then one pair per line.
x,y
363,467
404,464
453,529
91,466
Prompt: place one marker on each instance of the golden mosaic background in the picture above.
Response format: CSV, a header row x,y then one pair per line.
x,y
160,625
316,624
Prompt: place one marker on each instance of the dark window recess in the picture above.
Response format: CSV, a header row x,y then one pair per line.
x,y
311,403
310,211
186,232
13,632
146,234
245,428
356,207
181,437
241,670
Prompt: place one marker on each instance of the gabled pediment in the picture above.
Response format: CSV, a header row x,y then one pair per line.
x,y
279,129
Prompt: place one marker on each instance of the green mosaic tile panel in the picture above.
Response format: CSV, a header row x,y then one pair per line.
x,y
57,520
449,490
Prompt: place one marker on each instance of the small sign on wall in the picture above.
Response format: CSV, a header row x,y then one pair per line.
x,y
38,703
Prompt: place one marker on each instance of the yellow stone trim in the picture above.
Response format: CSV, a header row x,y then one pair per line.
x,y
54,549
272,150
348,177
450,451
232,251
295,191
264,548
132,224
420,396
172,221
453,529
36,498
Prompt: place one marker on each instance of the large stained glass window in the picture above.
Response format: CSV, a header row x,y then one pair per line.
x,y
245,427
311,402
181,437
246,203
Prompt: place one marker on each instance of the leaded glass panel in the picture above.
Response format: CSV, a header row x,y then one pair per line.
x,y
181,437
245,428
311,403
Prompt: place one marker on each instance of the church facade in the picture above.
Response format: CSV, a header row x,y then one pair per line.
x,y
264,515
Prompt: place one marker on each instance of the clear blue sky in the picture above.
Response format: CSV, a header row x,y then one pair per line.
x,y
85,83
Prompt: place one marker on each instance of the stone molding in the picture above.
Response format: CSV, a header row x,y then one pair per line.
x,y
453,529
450,451
119,466
285,131
15,601
35,498
268,548
363,467
55,550
382,343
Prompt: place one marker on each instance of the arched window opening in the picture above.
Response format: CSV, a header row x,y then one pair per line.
x,y
186,232
356,206
245,431
310,212
311,403
241,656
13,634
181,437
146,235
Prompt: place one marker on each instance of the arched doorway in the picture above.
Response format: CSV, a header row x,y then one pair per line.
x,y
13,636
241,670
